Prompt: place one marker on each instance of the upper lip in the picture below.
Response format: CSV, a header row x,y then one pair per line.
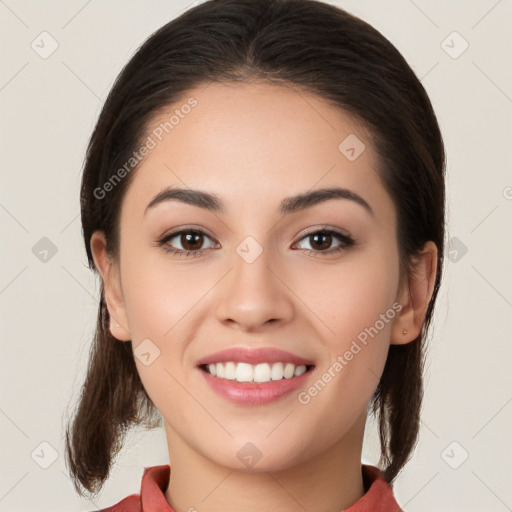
x,y
253,356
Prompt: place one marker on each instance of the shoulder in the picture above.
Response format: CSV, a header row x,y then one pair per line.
x,y
153,485
129,504
379,493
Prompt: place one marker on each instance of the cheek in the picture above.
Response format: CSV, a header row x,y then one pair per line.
x,y
357,312
352,296
163,305
354,301
159,305
159,297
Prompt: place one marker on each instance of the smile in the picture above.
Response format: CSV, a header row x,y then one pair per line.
x,y
252,376
258,373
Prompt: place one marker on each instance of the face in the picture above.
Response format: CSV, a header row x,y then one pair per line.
x,y
312,284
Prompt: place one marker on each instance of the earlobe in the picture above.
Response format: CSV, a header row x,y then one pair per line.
x,y
109,274
415,295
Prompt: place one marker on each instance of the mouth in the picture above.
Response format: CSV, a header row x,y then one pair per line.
x,y
257,373
251,376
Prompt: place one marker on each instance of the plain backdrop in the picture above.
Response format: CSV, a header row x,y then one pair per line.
x,y
49,104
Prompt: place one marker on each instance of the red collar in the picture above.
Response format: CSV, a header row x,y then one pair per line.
x,y
378,498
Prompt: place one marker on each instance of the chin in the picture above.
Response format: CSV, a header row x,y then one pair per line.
x,y
258,455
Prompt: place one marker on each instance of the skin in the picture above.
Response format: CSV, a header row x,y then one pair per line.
x,y
253,145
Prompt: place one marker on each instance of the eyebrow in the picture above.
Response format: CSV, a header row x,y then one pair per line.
x,y
288,205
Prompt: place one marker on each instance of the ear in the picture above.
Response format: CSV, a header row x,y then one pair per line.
x,y
414,296
109,273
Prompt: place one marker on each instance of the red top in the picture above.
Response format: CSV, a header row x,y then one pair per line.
x,y
378,497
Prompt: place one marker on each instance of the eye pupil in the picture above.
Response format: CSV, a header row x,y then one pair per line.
x,y
191,238
316,237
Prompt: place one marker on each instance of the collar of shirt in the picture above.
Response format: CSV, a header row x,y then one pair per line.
x,y
377,498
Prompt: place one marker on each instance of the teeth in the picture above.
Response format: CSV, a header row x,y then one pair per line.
x,y
277,371
299,370
229,371
244,372
289,369
263,372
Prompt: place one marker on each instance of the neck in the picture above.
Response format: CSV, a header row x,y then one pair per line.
x,y
328,482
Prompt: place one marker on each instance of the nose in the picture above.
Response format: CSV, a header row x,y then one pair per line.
x,y
254,294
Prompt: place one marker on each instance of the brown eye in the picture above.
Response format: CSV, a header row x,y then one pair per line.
x,y
321,242
192,240
186,242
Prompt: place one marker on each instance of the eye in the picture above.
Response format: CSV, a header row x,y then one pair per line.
x,y
189,241
320,242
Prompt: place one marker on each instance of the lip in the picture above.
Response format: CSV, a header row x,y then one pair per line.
x,y
254,393
251,393
253,355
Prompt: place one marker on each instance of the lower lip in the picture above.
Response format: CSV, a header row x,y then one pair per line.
x,y
251,393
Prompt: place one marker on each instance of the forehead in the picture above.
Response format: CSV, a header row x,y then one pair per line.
x,y
257,139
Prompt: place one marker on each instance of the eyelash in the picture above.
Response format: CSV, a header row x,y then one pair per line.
x,y
346,242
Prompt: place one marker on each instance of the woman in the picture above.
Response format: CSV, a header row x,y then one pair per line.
x,y
263,198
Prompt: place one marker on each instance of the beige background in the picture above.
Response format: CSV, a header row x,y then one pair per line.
x,y
48,109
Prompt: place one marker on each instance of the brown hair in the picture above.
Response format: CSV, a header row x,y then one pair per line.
x,y
305,44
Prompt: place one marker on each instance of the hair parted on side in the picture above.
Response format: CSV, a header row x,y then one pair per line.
x,y
308,45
